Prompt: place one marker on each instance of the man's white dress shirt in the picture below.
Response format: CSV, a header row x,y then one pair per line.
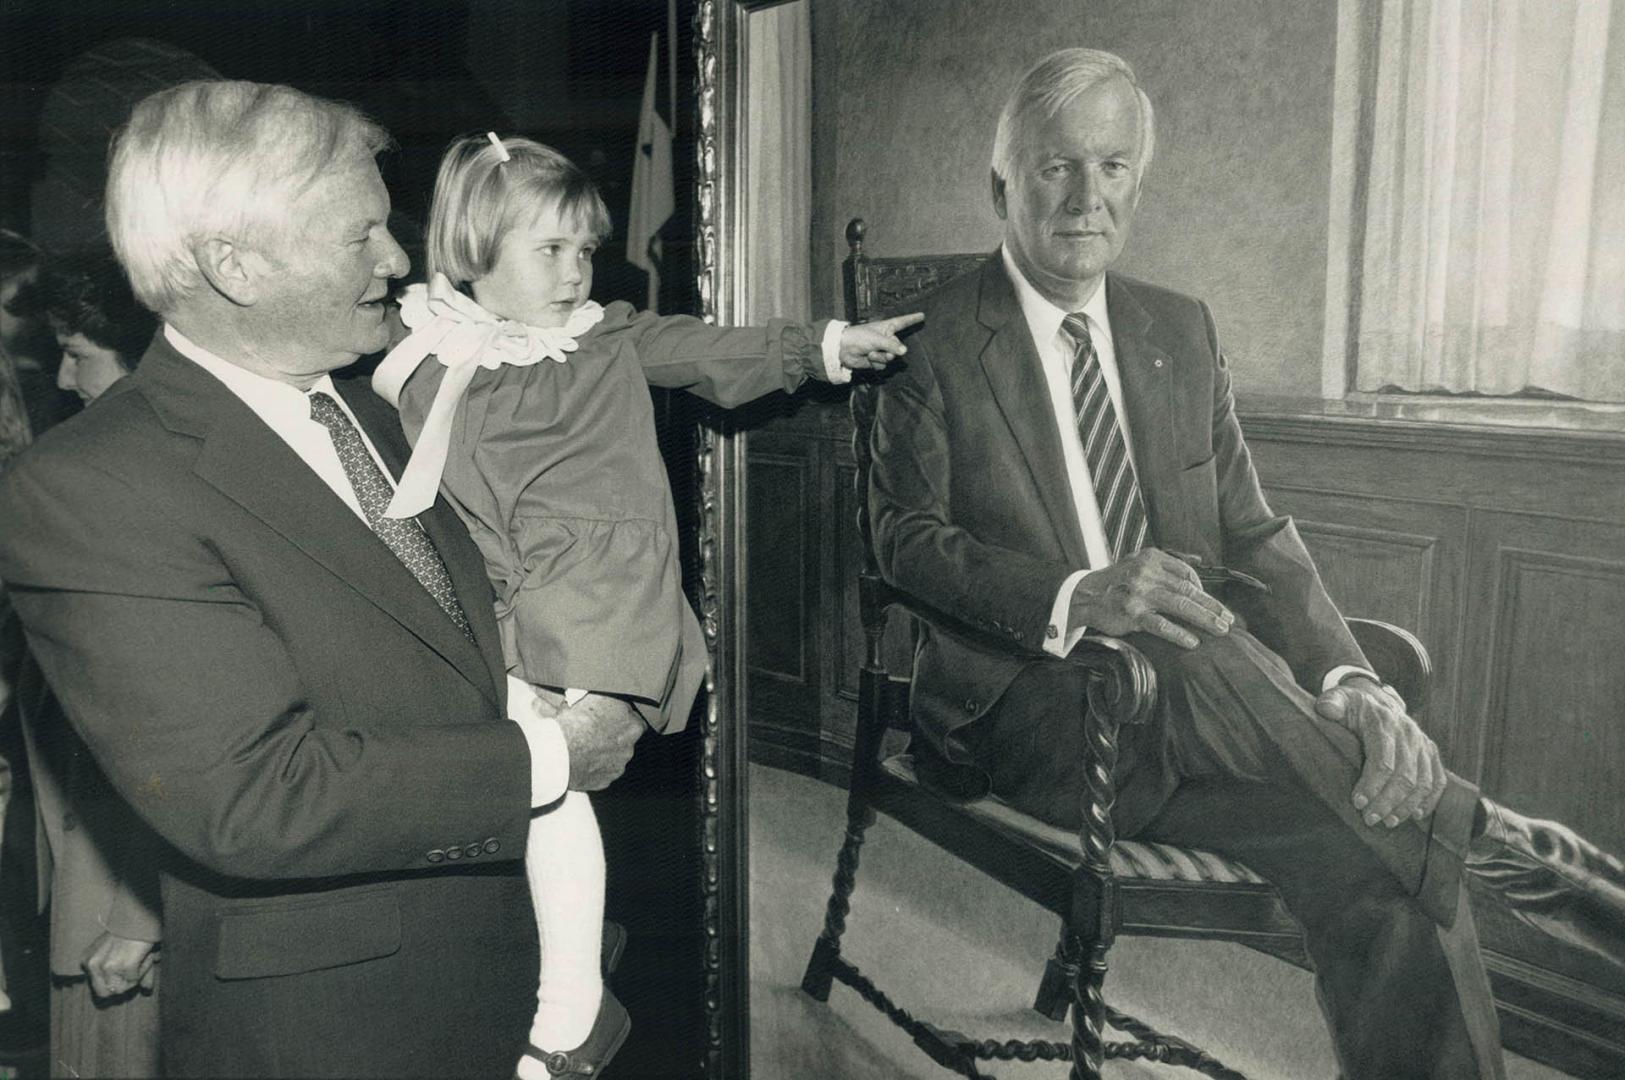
x,y
1055,348
286,411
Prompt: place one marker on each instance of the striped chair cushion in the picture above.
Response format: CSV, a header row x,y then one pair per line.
x,y
1129,858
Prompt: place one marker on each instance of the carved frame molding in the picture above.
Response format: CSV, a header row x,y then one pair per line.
x,y
723,788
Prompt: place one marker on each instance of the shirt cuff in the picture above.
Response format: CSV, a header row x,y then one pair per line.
x,y
549,754
1059,638
1338,674
833,371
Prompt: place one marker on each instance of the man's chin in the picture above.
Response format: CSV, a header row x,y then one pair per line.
x,y
372,338
1063,281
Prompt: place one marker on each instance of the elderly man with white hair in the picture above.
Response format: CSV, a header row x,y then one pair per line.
x,y
305,699
1061,456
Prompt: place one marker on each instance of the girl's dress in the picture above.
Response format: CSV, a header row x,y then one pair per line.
x,y
552,461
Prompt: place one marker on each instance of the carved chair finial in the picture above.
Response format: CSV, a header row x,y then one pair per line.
x,y
854,235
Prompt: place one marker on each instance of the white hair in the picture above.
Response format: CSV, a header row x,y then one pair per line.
x,y
218,158
1052,84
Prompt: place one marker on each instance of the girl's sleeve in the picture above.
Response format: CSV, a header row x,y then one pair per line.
x,y
726,365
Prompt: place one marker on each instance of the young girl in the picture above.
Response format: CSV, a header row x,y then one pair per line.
x,y
537,424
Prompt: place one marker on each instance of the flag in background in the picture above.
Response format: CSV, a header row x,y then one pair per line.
x,y
653,199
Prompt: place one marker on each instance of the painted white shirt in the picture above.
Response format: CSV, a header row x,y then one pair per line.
x,y
1055,349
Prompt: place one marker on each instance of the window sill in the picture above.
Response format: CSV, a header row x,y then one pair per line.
x,y
1547,413
1589,433
1511,412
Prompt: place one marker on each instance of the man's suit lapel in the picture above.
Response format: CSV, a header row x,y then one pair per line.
x,y
1016,376
248,463
1147,375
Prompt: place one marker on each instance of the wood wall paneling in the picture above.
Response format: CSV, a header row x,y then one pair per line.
x,y
1546,673
781,628
1399,560
776,566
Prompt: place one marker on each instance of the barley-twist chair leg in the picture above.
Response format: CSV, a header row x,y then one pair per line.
x,y
827,950
1093,918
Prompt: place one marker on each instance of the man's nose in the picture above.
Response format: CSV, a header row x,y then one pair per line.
x,y
66,377
394,263
1084,196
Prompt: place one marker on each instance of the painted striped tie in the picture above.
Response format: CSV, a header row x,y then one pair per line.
x,y
404,536
1117,490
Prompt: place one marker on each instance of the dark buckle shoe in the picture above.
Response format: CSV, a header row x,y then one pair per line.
x,y
608,1032
610,947
1554,879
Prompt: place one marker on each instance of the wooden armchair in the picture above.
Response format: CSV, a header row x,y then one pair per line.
x,y
1098,885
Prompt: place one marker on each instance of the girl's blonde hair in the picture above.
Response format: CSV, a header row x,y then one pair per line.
x,y
479,196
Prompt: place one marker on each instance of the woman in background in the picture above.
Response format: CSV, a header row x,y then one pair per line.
x,y
97,859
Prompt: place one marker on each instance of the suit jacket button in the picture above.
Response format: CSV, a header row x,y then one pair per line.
x,y
472,850
492,847
453,853
1052,631
436,855
1019,635
970,705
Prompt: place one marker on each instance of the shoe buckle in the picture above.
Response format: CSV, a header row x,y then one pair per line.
x,y
558,1063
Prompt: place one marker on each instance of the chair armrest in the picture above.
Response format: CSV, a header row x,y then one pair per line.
x,y
1123,686
1398,657
1122,690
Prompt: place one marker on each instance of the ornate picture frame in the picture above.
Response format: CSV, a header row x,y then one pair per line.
x,y
1424,569
719,28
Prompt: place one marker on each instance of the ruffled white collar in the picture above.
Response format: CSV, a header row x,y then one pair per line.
x,y
465,337
464,332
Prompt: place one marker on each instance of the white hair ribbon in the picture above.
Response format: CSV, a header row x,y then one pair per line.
x,y
496,142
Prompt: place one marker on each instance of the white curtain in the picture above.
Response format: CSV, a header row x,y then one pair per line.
x,y
1494,229
778,164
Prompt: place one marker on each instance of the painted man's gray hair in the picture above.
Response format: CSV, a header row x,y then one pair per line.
x,y
215,158
1049,87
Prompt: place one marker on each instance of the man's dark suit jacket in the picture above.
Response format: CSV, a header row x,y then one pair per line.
x,y
973,515
272,690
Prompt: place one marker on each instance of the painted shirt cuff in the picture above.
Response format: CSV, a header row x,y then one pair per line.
x,y
1336,675
1059,638
833,371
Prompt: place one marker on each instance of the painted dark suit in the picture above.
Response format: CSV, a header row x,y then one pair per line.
x,y
1002,541
275,693
973,516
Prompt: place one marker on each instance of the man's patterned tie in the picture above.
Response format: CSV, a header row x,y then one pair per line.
x,y
404,536
1122,511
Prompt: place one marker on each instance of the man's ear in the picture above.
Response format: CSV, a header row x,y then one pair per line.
x,y
231,270
998,192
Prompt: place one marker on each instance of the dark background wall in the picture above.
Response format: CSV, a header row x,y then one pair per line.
x,y
1233,210
568,73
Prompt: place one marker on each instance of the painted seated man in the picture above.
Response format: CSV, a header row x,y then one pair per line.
x,y
1059,433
